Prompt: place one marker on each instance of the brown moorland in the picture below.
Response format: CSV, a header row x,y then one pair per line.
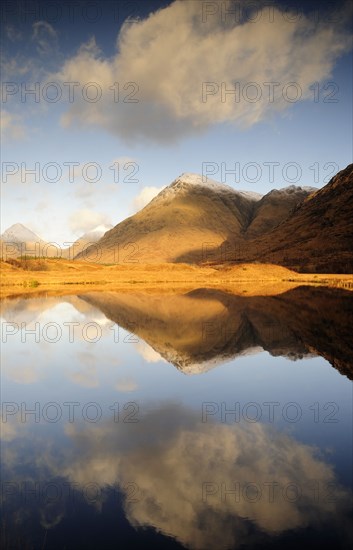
x,y
57,276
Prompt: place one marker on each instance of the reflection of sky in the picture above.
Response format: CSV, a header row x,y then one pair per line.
x,y
179,465
121,368
171,452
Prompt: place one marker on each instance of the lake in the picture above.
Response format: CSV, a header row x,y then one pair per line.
x,y
200,419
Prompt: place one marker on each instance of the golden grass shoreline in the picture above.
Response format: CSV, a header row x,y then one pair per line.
x,y
72,277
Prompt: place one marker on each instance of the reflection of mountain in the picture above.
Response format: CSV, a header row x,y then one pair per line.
x,y
175,470
26,309
198,329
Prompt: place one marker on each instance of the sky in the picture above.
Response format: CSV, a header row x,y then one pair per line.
x,y
105,103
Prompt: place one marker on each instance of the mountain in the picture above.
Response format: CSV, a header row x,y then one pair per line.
x,y
198,330
84,241
19,233
190,219
275,207
18,240
317,236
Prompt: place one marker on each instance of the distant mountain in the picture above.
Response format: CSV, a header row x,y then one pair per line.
x,y
19,233
317,236
19,240
190,219
85,240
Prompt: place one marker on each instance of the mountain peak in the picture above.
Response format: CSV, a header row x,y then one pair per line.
x,y
190,180
19,233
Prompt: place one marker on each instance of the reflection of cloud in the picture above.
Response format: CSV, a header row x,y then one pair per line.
x,y
148,353
126,385
85,373
10,427
24,374
170,456
13,34
164,60
45,37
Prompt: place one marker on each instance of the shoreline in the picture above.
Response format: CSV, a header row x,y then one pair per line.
x,y
53,278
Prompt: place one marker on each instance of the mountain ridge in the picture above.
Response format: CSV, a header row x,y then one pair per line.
x,y
187,216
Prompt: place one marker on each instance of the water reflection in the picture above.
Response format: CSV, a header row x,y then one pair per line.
x,y
206,485
197,330
163,474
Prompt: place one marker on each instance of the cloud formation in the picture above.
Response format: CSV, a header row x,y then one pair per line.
x,y
170,70
144,197
84,220
11,126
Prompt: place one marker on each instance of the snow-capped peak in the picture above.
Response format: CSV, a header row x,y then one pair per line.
x,y
188,180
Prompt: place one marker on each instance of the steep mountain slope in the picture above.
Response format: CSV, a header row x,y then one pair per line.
x,y
188,218
275,207
318,236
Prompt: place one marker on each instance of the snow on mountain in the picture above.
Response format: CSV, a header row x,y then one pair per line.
x,y
188,180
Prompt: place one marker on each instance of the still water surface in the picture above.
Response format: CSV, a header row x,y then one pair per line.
x,y
199,420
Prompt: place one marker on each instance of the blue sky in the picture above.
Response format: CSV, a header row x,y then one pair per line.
x,y
288,120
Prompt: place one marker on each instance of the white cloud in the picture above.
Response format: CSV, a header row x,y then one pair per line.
x,y
11,126
144,197
168,57
84,220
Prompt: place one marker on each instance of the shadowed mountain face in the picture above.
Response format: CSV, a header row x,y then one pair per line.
x,y
191,214
197,330
317,237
